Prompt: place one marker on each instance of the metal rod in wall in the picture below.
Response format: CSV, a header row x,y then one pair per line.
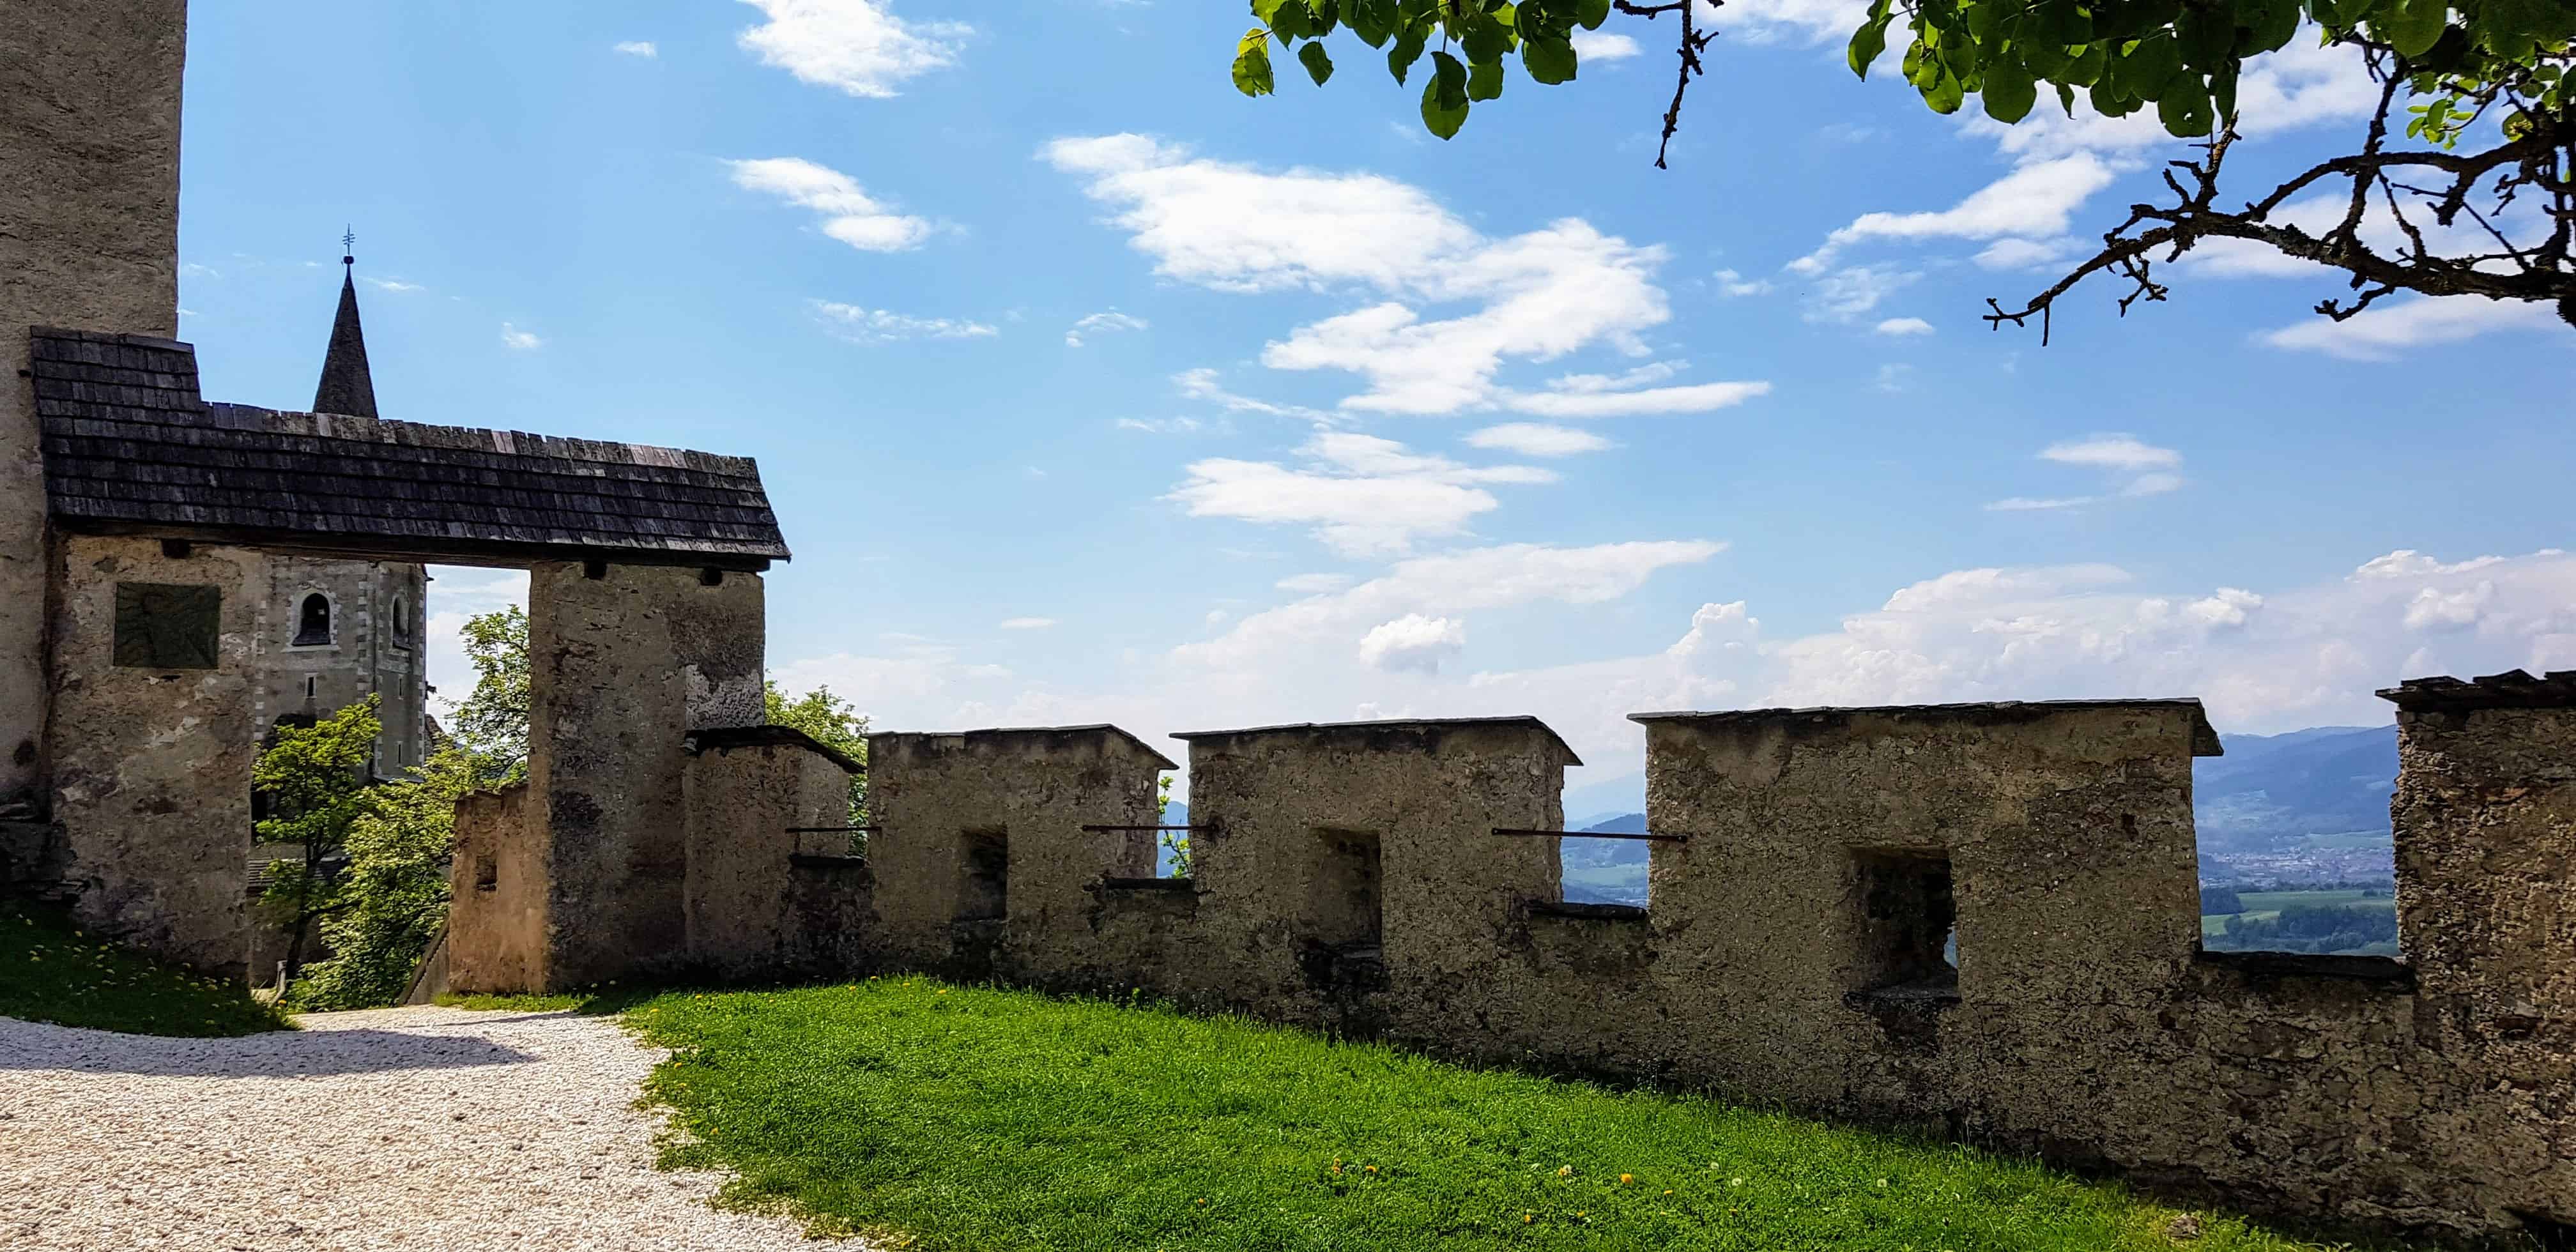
x,y
1593,834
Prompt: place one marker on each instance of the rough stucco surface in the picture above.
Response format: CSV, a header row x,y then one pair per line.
x,y
1034,790
152,767
748,906
496,917
619,668
89,225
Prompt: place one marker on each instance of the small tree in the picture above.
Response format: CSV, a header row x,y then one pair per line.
x,y
1177,842
491,729
317,779
830,721
394,889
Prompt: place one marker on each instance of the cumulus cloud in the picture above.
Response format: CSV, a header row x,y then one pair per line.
x,y
396,286
1730,283
859,324
1904,326
518,340
2387,331
1537,439
1361,495
1413,642
2037,199
637,48
1448,308
856,46
1108,323
2131,468
848,213
1602,45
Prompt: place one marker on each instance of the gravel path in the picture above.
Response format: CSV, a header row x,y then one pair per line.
x,y
419,1128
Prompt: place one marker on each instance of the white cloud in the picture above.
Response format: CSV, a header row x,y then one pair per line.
x,y
2122,452
637,48
2022,254
1695,398
859,324
1596,45
2409,563
2133,468
2386,331
849,214
518,340
1106,323
2037,199
1310,584
857,46
1413,642
1843,294
1534,297
2434,609
393,285
1027,623
1904,326
1730,283
1202,384
1362,495
1159,425
1537,439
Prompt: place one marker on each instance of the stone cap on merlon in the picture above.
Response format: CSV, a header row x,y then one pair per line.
x,y
1388,733
720,738
1005,733
2512,689
2204,739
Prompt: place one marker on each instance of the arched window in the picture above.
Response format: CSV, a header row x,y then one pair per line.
x,y
313,621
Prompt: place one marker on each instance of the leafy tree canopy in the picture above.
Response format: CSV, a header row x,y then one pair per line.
x,y
491,722
832,722
2489,73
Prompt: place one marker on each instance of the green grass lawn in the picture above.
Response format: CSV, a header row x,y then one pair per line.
x,y
51,972
2268,904
942,1117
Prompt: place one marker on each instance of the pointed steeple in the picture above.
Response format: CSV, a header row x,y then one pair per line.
x,y
346,386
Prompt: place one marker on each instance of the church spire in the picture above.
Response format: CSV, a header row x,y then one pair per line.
x,y
346,386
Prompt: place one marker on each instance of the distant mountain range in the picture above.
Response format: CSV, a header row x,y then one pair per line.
x,y
2309,806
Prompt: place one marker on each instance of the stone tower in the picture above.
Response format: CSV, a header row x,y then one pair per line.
x,y
332,631
89,228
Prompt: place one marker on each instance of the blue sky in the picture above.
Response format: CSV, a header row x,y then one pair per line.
x,y
1088,389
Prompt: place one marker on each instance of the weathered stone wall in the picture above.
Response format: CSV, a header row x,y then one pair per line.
x,y
620,666
496,914
151,772
89,224
1349,875
770,885
981,863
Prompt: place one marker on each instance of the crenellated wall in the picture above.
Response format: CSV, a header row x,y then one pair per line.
x,y
1980,921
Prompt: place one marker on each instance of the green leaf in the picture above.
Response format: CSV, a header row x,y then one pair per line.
x,y
1252,66
1487,39
2085,70
1292,21
1448,81
2061,22
2066,98
1866,44
2108,101
1945,94
2266,26
1592,13
2008,93
1266,10
2045,61
2204,38
1407,50
1548,58
2410,26
1371,20
2143,73
1439,118
2222,90
1318,66
1485,80
2184,108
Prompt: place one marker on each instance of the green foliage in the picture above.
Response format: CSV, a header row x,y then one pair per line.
x,y
2182,58
2218,900
492,721
828,720
1176,842
316,779
937,1116
393,892
1475,38
50,971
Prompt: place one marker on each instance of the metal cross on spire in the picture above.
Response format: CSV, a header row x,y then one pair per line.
x,y
348,245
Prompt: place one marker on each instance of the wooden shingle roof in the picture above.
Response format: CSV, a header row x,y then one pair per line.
x,y
131,447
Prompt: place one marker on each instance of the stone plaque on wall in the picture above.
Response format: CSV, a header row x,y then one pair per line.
x,y
167,626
